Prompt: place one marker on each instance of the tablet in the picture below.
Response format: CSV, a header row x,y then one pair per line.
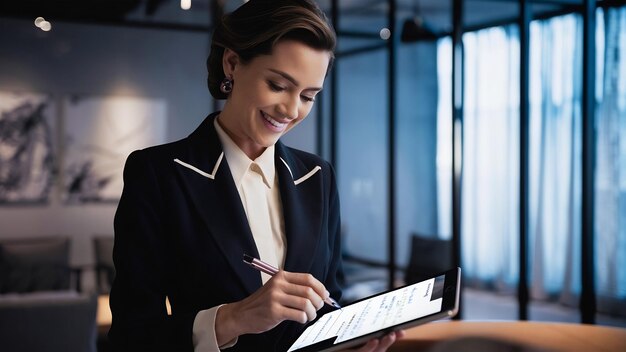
x,y
375,316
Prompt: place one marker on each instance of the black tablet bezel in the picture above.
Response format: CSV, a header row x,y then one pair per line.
x,y
449,309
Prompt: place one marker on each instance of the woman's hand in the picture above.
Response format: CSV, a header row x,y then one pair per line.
x,y
286,296
381,345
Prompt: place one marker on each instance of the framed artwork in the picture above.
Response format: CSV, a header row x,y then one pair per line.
x,y
27,147
99,134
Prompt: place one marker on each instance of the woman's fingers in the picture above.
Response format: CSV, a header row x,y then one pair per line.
x,y
370,346
286,296
306,280
385,342
306,293
304,306
382,344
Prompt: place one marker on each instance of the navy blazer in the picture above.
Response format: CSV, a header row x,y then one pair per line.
x,y
181,231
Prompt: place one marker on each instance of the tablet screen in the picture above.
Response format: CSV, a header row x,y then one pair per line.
x,y
376,313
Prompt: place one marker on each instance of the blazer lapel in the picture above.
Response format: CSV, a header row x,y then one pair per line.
x,y
302,209
209,183
207,179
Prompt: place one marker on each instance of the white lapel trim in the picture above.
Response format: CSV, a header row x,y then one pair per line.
x,y
303,178
288,168
205,174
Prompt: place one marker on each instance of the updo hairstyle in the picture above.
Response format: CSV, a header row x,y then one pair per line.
x,y
258,25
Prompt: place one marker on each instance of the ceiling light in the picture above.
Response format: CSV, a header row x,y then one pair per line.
x,y
38,21
185,4
385,33
42,24
45,26
415,29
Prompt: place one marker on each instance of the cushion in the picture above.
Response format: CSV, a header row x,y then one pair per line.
x,y
34,265
52,321
428,256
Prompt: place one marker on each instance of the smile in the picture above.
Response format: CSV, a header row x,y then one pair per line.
x,y
274,123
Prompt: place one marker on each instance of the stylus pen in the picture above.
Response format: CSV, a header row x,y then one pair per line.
x,y
260,265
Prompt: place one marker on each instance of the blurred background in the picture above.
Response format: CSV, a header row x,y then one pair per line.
x,y
485,134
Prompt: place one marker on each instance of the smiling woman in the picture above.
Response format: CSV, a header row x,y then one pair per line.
x,y
271,94
191,209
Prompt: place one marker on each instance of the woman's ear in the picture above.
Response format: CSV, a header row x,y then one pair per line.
x,y
230,60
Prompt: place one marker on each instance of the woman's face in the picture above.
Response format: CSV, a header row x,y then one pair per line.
x,y
271,94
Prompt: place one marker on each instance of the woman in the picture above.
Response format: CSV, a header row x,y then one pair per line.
x,y
192,208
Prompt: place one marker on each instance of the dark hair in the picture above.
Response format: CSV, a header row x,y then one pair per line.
x,y
256,26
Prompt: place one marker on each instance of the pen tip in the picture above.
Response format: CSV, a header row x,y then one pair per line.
x,y
247,258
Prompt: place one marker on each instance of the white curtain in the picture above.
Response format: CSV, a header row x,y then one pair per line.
x,y
610,201
490,184
490,197
444,137
555,157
